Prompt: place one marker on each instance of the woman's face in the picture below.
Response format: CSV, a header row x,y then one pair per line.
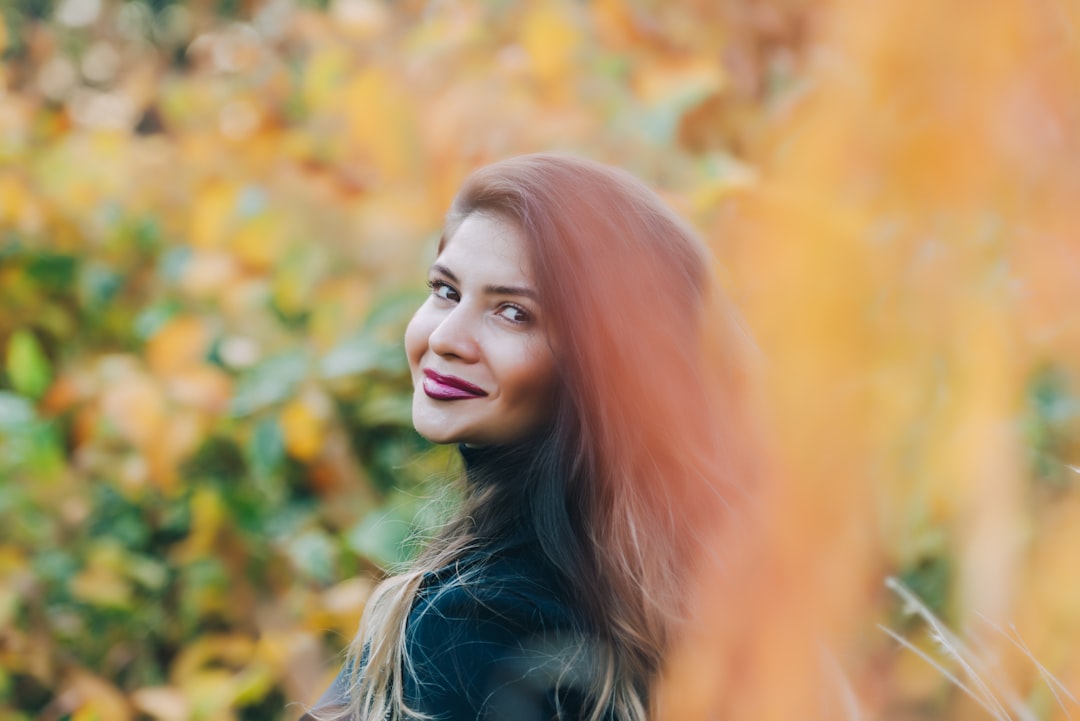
x,y
482,368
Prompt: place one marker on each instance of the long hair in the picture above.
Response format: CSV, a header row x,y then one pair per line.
x,y
629,482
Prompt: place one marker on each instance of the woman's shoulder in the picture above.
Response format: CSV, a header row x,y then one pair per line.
x,y
511,587
495,637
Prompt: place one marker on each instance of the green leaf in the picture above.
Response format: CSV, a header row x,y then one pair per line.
x,y
930,578
270,382
146,571
377,346
173,263
266,449
314,554
15,412
53,271
386,409
147,233
27,365
1049,414
352,357
381,536
151,319
98,285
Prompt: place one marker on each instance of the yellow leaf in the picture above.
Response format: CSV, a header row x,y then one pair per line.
x,y
212,213
253,683
207,516
291,289
273,647
12,197
232,650
551,38
212,693
12,559
104,581
303,430
259,241
380,125
95,699
102,587
323,78
19,207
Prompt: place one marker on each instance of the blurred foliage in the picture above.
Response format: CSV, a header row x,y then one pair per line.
x,y
909,265
213,220
214,217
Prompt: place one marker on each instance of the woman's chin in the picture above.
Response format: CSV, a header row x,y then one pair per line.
x,y
437,432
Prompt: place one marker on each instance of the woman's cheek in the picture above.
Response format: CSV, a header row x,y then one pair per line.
x,y
416,335
534,383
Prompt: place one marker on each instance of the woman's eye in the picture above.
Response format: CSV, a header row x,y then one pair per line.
x,y
514,314
440,289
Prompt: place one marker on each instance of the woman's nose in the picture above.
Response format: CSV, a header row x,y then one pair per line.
x,y
455,335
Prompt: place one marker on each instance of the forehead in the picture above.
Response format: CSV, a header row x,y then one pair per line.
x,y
488,248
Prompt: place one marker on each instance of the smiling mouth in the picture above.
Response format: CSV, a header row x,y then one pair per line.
x,y
449,388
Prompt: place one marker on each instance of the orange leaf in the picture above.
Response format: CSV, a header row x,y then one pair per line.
x,y
178,344
135,407
201,386
67,391
180,437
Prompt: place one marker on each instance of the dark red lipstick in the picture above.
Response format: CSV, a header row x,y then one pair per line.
x,y
449,388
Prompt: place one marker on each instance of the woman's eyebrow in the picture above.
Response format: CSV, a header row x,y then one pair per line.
x,y
510,290
443,270
489,289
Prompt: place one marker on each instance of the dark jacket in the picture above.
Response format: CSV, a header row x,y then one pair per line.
x,y
495,637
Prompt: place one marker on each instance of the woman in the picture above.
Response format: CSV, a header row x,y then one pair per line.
x,y
562,347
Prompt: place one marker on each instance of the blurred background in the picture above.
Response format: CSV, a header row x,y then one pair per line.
x,y
215,219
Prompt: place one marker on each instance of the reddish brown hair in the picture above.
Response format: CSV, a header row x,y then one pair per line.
x,y
632,476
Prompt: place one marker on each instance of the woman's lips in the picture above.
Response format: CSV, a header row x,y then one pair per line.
x,y
449,388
